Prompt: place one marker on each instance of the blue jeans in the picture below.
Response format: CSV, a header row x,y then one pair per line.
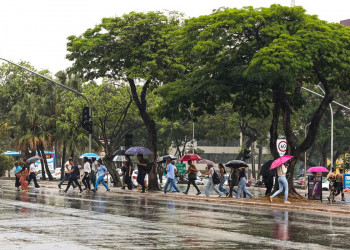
x,y
207,189
283,183
100,179
222,184
242,185
171,182
175,184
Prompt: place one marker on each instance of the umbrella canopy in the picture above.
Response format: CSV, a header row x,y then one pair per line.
x,y
265,169
207,162
317,169
33,159
279,161
236,164
138,150
89,155
190,157
164,157
119,158
12,153
119,152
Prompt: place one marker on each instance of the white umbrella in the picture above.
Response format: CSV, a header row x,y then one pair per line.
x,y
119,158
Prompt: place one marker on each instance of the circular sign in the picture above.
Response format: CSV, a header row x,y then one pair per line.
x,y
282,146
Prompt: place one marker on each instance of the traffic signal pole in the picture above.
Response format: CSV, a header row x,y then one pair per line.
x,y
61,85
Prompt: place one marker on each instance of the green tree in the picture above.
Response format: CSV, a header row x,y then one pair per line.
x,y
133,48
254,58
6,163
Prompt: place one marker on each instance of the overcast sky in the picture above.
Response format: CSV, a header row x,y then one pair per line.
x,y
36,30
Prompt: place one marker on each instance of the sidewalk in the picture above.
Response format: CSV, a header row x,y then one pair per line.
x,y
311,206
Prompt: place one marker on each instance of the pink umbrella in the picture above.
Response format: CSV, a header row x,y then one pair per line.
x,y
317,169
190,157
207,162
278,162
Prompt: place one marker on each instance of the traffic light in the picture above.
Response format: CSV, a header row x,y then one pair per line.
x,y
299,86
246,154
128,140
86,120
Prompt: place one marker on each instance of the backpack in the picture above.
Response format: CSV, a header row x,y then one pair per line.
x,y
149,167
216,178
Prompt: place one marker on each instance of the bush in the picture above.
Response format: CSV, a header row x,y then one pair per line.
x,y
6,163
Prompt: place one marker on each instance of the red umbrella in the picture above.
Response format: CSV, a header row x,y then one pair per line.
x,y
279,161
191,157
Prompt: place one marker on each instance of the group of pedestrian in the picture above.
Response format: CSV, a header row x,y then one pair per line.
x,y
25,173
92,168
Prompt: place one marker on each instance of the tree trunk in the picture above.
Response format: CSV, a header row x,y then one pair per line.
x,y
253,160
112,171
259,159
43,175
41,148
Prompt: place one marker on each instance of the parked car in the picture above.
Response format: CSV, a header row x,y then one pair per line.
x,y
56,174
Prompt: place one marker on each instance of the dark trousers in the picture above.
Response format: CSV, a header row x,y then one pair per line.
x,y
86,180
193,182
269,186
232,185
128,181
339,188
75,180
141,179
32,176
17,184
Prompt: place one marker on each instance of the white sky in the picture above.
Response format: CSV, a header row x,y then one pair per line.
x,y
36,30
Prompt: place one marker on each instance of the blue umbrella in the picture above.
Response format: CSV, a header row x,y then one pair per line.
x,y
12,153
89,155
138,150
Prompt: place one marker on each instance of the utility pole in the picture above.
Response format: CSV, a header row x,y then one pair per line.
x,y
61,85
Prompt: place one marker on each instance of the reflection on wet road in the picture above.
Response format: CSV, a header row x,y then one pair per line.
x,y
46,219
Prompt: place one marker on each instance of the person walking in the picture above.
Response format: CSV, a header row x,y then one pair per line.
x,y
128,172
242,185
222,179
282,182
170,170
32,175
141,165
17,172
87,171
24,177
93,164
74,175
67,168
101,172
339,184
210,173
233,181
175,179
268,180
192,177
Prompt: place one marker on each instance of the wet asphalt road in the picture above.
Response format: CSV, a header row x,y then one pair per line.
x,y
46,219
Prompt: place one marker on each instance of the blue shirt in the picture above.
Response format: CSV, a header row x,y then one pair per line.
x,y
101,170
19,168
170,171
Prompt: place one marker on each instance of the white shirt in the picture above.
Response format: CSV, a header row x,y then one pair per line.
x,y
211,171
32,168
87,167
68,166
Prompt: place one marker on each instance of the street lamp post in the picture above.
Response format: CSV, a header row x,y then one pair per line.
x,y
330,106
61,85
305,156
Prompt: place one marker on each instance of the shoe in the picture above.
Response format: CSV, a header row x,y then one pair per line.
x,y
227,194
81,191
59,186
123,188
198,193
142,192
220,195
164,192
65,191
286,202
108,190
93,190
75,187
185,192
343,199
130,189
270,198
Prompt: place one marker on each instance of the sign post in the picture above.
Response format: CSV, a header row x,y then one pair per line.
x,y
281,146
315,187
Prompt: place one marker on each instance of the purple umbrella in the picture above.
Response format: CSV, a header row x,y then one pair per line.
x,y
207,162
138,150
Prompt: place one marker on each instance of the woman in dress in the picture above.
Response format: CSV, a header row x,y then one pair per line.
x,y
24,177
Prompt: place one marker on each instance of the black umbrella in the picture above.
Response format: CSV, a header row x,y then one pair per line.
x,y
119,152
165,157
33,159
236,164
265,169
